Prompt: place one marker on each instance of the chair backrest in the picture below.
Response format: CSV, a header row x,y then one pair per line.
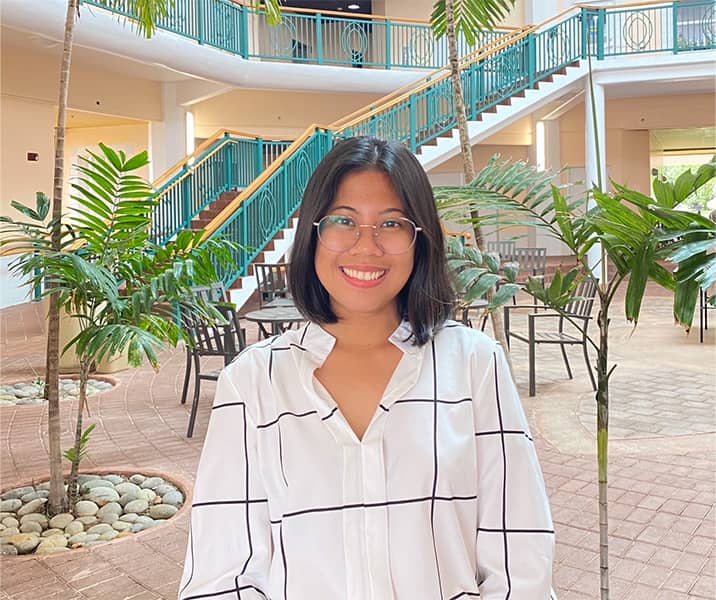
x,y
214,292
505,248
215,338
271,281
532,261
583,298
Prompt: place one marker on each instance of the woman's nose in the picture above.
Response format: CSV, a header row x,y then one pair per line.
x,y
367,242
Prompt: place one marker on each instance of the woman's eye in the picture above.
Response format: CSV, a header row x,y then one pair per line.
x,y
342,221
391,224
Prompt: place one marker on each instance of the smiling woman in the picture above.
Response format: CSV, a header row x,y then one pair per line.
x,y
381,451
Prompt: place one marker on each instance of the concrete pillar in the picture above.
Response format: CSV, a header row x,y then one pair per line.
x,y
168,138
537,11
546,154
595,159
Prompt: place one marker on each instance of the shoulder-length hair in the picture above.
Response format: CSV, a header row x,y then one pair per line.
x,y
427,298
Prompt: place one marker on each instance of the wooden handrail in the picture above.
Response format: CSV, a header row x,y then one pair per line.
x,y
217,221
203,146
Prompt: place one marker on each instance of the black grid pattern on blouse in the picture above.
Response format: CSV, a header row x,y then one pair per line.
x,y
433,498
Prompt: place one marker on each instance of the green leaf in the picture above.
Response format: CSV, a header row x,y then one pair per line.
x,y
503,295
638,277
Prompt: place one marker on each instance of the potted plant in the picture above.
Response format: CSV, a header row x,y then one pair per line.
x,y
637,235
123,292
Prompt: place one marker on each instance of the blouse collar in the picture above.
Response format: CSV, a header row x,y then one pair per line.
x,y
319,343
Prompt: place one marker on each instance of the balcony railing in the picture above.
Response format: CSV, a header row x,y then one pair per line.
x,y
306,36
512,64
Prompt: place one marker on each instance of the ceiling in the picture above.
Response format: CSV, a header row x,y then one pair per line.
x,y
78,119
89,56
337,5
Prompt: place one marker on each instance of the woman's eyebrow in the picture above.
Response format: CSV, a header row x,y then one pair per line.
x,y
355,210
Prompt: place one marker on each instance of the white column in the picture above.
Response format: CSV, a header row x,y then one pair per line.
x,y
168,138
537,11
547,156
595,159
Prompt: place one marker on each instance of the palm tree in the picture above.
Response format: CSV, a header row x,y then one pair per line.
x,y
636,233
450,17
148,11
120,288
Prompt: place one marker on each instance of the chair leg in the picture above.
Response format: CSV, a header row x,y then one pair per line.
x,y
531,353
566,361
589,365
484,323
187,374
195,400
702,314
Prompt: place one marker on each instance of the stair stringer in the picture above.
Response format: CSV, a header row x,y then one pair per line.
x,y
430,156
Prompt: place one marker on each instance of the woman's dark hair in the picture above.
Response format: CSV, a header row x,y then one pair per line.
x,y
426,300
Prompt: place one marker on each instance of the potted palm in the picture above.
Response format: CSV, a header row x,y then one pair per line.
x,y
638,235
123,293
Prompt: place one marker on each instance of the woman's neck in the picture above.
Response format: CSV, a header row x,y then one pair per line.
x,y
363,332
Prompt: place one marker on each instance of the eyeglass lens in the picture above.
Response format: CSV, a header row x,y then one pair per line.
x,y
340,233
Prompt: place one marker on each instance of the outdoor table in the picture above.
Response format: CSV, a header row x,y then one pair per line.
x,y
278,303
278,319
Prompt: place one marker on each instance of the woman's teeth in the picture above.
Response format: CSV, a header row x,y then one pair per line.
x,y
364,275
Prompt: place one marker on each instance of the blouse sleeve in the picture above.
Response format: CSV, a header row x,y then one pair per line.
x,y
515,535
230,548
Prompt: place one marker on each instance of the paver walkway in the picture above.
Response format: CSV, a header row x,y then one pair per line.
x,y
662,465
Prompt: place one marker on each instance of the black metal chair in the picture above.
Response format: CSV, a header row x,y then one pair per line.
x,y
532,262
214,293
577,310
212,338
271,281
704,307
504,248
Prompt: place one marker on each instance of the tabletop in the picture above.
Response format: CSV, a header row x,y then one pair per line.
x,y
278,318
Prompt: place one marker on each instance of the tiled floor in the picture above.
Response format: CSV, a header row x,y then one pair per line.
x,y
662,477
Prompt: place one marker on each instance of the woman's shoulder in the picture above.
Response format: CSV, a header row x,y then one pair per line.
x,y
255,360
464,339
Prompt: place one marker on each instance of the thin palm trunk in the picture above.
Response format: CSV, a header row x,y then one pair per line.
x,y
56,499
602,441
72,491
467,161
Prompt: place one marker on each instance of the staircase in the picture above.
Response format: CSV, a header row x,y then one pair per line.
x,y
563,82
502,82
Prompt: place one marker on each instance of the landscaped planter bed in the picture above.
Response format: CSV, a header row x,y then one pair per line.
x,y
111,506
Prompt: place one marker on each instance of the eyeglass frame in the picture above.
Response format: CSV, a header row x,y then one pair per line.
x,y
376,233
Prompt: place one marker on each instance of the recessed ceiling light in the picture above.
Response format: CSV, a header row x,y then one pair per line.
x,y
353,6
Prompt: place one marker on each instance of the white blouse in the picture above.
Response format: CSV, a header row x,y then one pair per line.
x,y
442,499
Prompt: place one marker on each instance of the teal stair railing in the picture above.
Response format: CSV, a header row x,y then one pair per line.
x,y
424,112
306,36
267,207
507,66
228,161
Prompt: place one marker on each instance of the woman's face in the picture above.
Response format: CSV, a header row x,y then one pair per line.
x,y
364,280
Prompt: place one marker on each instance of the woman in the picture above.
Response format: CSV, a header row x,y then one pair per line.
x,y
380,452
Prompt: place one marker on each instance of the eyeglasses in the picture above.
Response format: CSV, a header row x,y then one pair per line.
x,y
339,233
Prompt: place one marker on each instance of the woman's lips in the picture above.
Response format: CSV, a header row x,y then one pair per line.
x,y
363,277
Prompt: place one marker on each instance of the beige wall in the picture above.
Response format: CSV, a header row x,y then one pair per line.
x,y
29,86
131,139
513,143
422,9
276,113
26,126
35,76
628,121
